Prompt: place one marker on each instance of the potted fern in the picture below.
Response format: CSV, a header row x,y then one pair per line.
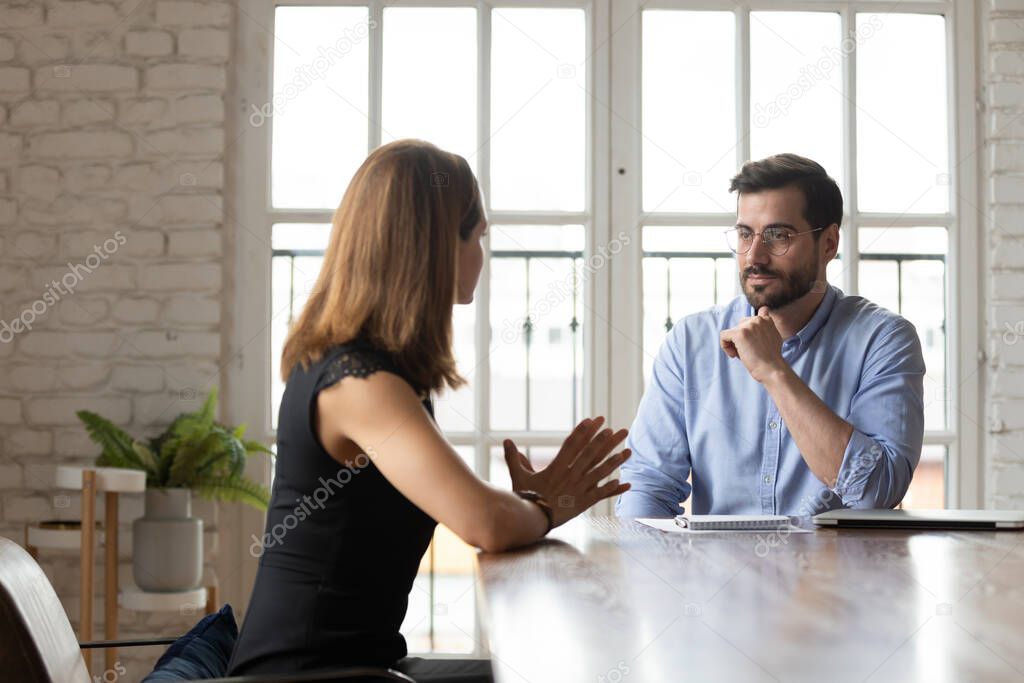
x,y
194,453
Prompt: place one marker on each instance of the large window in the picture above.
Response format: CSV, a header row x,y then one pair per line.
x,y
603,134
863,93
507,89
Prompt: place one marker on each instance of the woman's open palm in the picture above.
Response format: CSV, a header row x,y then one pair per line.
x,y
571,483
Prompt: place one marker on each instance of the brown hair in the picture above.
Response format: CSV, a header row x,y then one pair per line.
x,y
389,274
823,201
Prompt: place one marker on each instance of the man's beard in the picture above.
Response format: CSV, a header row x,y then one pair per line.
x,y
788,287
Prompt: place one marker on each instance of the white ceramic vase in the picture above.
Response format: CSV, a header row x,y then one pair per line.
x,y
168,543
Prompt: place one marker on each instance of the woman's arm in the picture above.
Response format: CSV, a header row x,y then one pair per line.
x,y
384,417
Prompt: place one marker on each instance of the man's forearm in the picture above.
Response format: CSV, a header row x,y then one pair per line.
x,y
820,434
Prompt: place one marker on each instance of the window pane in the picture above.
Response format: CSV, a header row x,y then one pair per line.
x,y
902,129
904,270
455,410
903,240
538,109
536,326
686,270
430,77
879,283
320,103
689,110
540,457
928,488
834,272
442,605
294,267
796,86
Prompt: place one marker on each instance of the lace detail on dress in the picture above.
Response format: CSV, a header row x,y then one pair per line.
x,y
353,363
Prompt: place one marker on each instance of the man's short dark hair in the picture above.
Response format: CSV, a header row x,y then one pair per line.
x,y
823,201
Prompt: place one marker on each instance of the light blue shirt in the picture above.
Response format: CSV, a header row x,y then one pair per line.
x,y
704,415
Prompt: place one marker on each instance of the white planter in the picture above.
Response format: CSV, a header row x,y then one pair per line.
x,y
168,543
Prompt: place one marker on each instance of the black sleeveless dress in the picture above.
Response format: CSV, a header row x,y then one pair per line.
x,y
342,545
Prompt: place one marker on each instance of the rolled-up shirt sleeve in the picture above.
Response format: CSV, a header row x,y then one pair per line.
x,y
887,415
660,463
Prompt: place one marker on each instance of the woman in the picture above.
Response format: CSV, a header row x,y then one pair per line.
x,y
363,474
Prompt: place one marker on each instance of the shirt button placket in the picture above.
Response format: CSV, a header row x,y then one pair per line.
x,y
771,461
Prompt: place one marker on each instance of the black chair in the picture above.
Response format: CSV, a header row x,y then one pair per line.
x,y
39,645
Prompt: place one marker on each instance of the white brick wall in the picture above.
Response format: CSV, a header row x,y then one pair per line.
x,y
111,120
1003,132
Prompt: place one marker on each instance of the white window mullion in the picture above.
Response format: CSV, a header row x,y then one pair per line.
x,y
482,379
596,289
965,485
742,86
848,235
376,46
623,351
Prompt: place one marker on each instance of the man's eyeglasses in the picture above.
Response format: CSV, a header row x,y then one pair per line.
x,y
776,239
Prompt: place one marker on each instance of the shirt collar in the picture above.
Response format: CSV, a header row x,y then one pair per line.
x,y
817,321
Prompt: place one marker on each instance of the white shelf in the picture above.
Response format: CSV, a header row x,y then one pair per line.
x,y
134,599
108,479
59,539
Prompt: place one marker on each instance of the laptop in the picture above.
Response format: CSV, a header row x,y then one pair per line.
x,y
922,519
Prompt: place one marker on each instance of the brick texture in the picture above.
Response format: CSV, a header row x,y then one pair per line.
x,y
1003,134
110,264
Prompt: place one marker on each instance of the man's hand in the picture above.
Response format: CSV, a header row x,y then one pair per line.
x,y
757,342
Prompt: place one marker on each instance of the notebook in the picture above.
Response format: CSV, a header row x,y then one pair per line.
x,y
728,522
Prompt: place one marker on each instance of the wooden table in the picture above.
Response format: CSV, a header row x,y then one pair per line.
x,y
610,600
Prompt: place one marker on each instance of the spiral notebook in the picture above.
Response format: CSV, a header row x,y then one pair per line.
x,y
733,522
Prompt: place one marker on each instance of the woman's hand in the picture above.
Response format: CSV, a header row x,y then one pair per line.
x,y
570,483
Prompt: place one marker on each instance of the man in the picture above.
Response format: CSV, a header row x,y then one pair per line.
x,y
792,399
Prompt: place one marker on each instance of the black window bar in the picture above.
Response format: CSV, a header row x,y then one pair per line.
x,y
716,256
528,324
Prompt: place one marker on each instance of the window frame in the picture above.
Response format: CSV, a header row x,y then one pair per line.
x,y
612,296
963,435
249,383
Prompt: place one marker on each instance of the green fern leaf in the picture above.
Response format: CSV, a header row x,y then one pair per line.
x,y
234,490
256,447
146,457
116,443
